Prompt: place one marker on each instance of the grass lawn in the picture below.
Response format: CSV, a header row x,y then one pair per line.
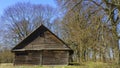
x,y
86,65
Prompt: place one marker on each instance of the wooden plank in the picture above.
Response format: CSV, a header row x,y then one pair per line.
x,y
41,58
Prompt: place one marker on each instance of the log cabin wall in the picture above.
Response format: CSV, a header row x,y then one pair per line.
x,y
55,58
29,58
42,58
20,58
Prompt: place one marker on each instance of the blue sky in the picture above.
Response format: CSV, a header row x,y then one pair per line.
x,y
5,3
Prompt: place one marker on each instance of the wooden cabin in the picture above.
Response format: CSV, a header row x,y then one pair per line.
x,y
42,47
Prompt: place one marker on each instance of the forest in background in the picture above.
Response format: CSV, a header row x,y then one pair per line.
x,y
89,27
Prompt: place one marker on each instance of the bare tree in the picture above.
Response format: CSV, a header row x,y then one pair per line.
x,y
85,28
23,18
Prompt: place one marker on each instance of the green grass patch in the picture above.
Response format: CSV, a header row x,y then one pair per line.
x,y
85,65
